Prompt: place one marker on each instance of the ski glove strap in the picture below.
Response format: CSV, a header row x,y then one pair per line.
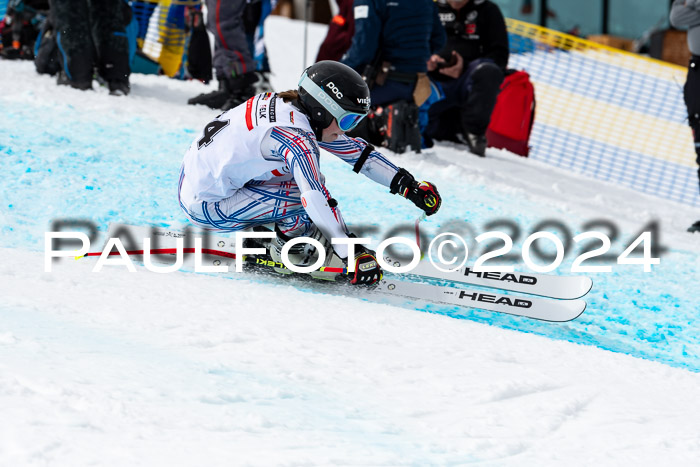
x,y
423,194
367,270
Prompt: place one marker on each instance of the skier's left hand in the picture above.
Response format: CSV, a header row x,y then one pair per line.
x,y
422,194
367,270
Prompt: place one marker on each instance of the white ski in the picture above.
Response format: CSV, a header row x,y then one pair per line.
x,y
545,285
221,251
530,307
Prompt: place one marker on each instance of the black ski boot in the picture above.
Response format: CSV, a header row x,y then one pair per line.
x,y
119,88
215,99
476,143
240,90
694,228
63,80
231,92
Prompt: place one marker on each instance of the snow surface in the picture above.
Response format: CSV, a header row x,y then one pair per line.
x,y
138,368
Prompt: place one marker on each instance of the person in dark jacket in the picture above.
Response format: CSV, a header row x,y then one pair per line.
x,y
470,68
400,35
92,33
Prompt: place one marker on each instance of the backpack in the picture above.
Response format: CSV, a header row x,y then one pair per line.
x,y
402,127
199,61
513,115
394,126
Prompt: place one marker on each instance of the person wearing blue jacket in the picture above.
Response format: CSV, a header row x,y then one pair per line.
x,y
399,36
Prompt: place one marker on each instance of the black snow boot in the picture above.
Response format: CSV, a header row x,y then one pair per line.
x,y
63,80
214,99
240,89
231,92
476,143
119,88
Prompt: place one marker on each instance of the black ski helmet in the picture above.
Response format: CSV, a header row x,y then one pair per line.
x,y
329,90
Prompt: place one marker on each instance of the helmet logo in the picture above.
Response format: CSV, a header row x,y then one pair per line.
x,y
363,100
335,90
327,99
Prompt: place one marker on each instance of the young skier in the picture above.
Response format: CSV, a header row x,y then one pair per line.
x,y
258,163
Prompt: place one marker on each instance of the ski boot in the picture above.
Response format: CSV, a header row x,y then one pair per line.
x,y
305,254
476,143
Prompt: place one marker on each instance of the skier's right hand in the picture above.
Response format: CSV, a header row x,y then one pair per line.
x,y
367,270
423,194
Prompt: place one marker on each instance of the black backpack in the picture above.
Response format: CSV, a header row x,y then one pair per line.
x,y
394,126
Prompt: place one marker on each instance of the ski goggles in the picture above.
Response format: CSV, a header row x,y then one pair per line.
x,y
346,120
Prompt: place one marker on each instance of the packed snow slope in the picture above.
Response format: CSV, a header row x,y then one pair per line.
x,y
183,369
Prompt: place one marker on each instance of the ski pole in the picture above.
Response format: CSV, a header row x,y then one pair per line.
x,y
422,217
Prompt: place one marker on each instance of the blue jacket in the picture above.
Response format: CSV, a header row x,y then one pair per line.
x,y
408,32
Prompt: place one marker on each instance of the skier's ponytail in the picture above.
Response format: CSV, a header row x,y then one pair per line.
x,y
289,96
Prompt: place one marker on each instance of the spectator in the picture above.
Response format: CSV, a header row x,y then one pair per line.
x,y
392,43
340,32
686,14
233,61
470,69
20,27
254,20
92,33
398,36
526,7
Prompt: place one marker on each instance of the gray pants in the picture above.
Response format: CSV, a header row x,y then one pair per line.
x,y
232,56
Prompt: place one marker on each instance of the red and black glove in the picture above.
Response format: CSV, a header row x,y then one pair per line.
x,y
367,270
423,194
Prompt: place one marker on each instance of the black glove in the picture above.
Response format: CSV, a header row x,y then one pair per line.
x,y
423,194
367,270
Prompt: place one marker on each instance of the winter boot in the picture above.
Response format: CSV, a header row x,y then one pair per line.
x,y
215,99
694,228
63,80
240,89
476,143
119,88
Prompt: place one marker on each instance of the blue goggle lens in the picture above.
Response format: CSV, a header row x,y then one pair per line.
x,y
349,121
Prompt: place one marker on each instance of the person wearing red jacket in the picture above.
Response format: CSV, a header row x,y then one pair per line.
x,y
340,32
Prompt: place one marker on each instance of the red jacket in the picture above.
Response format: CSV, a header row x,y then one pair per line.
x,y
340,33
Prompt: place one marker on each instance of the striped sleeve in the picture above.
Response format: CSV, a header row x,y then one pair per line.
x,y
377,167
301,155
